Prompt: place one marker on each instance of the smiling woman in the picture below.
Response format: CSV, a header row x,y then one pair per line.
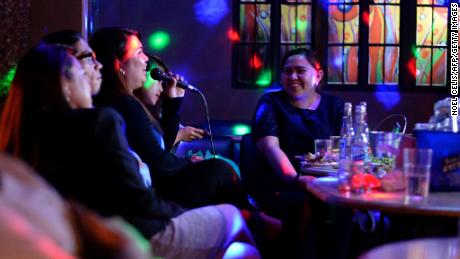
x,y
300,103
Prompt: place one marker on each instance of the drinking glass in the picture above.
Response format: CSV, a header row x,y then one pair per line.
x,y
417,166
335,147
323,147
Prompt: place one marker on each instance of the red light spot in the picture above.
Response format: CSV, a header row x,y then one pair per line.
x,y
366,18
132,45
255,62
411,67
233,35
317,66
363,180
346,35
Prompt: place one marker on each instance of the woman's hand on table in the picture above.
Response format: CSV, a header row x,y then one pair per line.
x,y
303,180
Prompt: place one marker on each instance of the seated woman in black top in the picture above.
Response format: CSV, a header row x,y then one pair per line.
x,y
285,124
189,183
48,121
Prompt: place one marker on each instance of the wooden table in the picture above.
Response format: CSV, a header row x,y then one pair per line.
x,y
442,248
437,204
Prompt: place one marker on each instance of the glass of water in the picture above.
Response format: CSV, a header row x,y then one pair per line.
x,y
417,167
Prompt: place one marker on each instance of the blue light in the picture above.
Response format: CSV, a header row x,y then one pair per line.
x,y
328,179
211,12
389,99
237,225
236,250
338,62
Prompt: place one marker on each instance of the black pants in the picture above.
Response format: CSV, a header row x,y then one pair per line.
x,y
211,181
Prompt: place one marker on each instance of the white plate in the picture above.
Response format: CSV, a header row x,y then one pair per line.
x,y
316,164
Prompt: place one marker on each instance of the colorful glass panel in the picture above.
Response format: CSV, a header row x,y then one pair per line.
x,y
424,26
392,14
335,23
391,65
255,18
295,23
439,66
424,1
343,23
440,26
334,65
376,65
376,24
423,66
386,1
350,65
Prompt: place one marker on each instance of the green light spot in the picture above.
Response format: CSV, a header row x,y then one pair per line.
x,y
5,81
159,40
301,25
416,52
264,79
241,129
149,82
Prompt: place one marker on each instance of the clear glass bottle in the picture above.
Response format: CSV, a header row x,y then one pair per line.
x,y
359,150
366,126
346,136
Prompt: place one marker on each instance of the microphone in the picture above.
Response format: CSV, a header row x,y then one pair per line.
x,y
158,74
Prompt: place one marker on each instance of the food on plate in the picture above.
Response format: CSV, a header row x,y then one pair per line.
x,y
317,160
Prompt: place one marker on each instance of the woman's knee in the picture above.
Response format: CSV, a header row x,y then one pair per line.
x,y
234,220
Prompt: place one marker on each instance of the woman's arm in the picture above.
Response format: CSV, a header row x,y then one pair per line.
x,y
146,141
270,148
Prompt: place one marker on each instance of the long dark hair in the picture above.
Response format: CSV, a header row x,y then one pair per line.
x,y
36,85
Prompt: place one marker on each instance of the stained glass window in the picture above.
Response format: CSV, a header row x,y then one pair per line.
x,y
363,44
431,43
343,32
259,51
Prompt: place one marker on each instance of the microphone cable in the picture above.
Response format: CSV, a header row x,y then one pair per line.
x,y
208,121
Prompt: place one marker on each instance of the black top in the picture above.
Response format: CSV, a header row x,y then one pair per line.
x,y
145,137
85,155
296,128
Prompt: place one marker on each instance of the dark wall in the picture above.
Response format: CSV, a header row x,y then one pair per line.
x,y
53,15
202,54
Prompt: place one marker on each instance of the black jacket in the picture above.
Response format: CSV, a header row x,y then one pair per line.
x,y
85,155
144,137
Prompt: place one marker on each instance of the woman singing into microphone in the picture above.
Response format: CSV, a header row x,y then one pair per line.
x,y
190,183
